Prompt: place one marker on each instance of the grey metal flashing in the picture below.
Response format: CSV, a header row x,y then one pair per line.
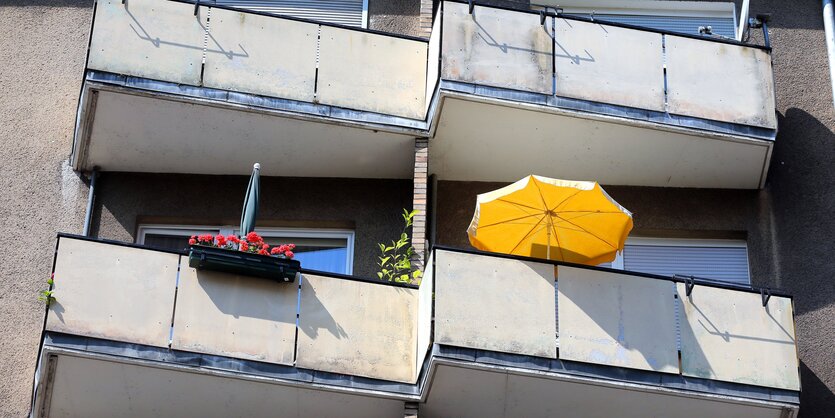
x,y
616,111
370,120
617,374
419,390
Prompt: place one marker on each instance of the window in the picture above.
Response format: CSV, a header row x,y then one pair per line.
x,y
719,260
341,12
329,250
673,16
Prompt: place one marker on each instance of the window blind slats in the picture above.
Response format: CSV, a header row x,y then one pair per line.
x,y
683,24
343,12
728,264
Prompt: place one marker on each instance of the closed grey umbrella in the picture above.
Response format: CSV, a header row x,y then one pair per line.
x,y
250,211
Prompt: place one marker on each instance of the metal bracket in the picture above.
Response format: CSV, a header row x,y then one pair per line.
x,y
689,283
592,15
542,18
471,4
196,6
766,295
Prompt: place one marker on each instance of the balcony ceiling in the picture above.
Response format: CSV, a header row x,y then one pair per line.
x,y
138,132
485,393
479,139
88,387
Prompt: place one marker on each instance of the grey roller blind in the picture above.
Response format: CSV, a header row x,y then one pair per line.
x,y
682,24
727,264
342,12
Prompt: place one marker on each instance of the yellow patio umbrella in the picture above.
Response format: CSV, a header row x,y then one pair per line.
x,y
572,221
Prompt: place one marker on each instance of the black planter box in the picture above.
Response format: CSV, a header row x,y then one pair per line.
x,y
246,264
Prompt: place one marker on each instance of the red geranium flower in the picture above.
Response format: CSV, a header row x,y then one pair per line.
x,y
244,246
221,240
289,254
265,247
253,237
233,239
291,246
263,252
276,251
192,241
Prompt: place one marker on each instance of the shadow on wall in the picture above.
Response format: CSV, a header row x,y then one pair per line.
x,y
801,185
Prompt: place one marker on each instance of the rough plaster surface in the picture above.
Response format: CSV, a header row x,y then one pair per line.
x,y
42,49
396,16
374,206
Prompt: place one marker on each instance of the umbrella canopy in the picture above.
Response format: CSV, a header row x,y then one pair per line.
x,y
572,221
250,211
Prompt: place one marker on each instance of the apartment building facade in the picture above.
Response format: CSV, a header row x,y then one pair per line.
x,y
719,143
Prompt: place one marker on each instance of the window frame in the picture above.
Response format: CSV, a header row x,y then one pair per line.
x,y
266,232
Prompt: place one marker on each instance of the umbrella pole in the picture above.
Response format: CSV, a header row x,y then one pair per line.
x,y
548,246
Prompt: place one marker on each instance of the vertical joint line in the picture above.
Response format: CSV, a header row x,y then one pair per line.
x,y
205,45
316,74
664,68
174,310
553,55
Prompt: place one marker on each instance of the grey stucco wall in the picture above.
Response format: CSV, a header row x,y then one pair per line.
x,y
372,206
396,16
42,47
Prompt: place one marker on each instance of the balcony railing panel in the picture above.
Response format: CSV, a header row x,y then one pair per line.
x,y
495,47
113,292
235,316
368,71
495,304
608,64
718,81
728,335
617,320
261,55
358,328
424,314
433,60
155,39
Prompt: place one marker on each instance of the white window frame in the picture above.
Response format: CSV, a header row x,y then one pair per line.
x,y
688,242
325,233
365,14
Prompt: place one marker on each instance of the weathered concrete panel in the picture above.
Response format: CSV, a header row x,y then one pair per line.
x,y
377,73
161,40
432,62
728,335
261,55
495,47
358,328
235,316
617,320
609,64
493,303
113,292
722,82
424,316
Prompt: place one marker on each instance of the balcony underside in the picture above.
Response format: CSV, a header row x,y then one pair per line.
x,y
498,135
89,377
166,128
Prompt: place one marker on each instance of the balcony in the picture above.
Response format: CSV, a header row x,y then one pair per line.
x,y
570,98
175,88
135,329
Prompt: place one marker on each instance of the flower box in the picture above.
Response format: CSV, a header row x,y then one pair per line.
x,y
224,260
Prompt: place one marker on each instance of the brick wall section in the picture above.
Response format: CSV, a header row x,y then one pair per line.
x,y
425,18
419,203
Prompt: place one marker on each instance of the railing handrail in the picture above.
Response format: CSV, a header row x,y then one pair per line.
x,y
202,3
615,24
700,281
185,253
